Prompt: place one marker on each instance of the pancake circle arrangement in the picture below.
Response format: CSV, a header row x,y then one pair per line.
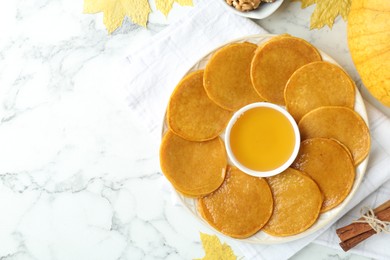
x,y
323,100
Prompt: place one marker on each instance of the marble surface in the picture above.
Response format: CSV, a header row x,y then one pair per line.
x,y
78,176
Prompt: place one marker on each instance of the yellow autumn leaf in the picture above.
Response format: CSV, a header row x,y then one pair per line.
x,y
184,2
115,11
137,10
306,3
165,6
94,6
326,11
214,249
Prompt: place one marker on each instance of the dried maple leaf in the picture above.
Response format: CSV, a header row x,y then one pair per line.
x,y
116,10
165,6
214,249
306,3
326,11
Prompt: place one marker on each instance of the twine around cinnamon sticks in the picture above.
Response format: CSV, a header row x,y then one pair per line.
x,y
362,229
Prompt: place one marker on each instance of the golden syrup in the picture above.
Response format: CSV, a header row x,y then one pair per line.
x,y
262,139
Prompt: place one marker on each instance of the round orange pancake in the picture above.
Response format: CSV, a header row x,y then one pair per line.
x,y
297,201
340,123
191,114
318,84
330,166
274,63
240,207
194,168
227,76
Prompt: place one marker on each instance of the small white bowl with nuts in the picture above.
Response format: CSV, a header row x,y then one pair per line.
x,y
255,9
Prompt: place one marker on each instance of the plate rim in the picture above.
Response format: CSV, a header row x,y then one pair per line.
x,y
337,210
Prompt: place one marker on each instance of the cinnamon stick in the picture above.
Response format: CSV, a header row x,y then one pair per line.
x,y
355,229
355,233
350,243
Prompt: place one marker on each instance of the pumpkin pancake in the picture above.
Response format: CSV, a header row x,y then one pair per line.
x,y
194,168
227,76
330,166
240,207
191,114
340,123
318,84
297,201
274,63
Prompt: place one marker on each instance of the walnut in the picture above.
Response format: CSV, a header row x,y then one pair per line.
x,y
247,5
244,5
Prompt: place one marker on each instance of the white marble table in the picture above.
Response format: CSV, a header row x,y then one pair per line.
x,y
77,177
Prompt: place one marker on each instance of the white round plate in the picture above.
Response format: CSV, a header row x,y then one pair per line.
x,y
325,218
263,11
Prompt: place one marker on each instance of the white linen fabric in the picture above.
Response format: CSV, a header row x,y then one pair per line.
x,y
158,67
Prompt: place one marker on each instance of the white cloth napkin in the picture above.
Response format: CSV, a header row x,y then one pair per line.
x,y
157,68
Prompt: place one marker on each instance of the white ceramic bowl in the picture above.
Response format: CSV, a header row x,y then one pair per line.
x,y
252,172
263,11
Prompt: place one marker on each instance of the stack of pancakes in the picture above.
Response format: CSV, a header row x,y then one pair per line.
x,y
287,71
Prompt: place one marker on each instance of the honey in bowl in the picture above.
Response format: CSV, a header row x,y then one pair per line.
x,y
262,139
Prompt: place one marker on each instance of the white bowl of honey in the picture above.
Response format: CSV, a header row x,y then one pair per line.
x,y
262,139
